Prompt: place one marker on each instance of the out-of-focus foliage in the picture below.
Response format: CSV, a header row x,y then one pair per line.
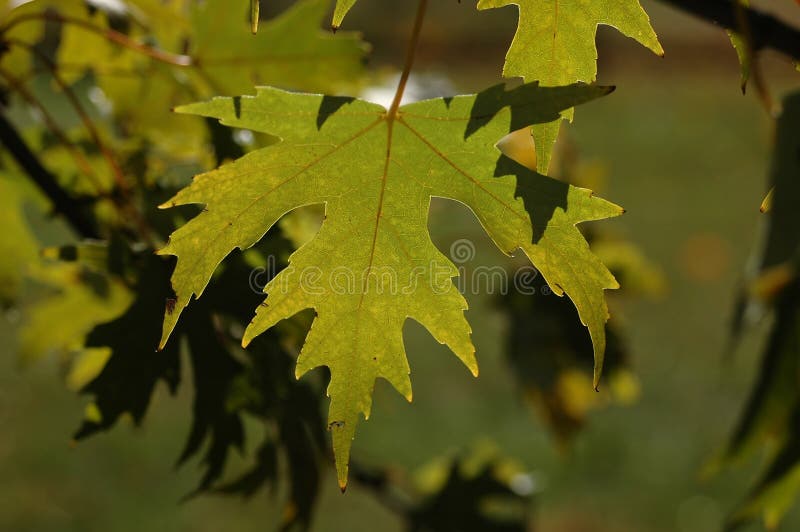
x,y
551,358
17,252
770,418
476,492
191,50
87,296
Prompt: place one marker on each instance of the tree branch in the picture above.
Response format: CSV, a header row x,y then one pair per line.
x,y
766,30
62,203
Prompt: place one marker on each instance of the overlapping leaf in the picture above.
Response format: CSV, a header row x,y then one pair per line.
x,y
555,45
373,265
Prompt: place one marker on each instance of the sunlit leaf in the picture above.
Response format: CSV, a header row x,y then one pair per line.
x,y
376,176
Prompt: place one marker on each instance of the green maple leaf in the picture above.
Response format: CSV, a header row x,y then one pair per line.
x,y
555,40
555,45
372,265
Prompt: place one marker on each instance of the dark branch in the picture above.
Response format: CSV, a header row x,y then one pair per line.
x,y
63,204
766,30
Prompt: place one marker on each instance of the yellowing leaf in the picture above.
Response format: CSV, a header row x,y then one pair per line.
x,y
372,265
555,40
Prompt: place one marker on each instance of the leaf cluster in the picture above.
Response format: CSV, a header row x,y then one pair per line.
x,y
339,188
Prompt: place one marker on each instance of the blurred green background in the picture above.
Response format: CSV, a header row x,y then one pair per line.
x,y
686,155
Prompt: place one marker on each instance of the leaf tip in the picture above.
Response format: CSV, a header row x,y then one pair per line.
x,y
342,474
655,46
255,17
182,109
598,371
